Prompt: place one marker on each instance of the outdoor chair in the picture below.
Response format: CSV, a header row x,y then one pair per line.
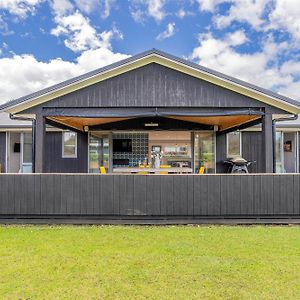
x,y
102,170
164,167
201,170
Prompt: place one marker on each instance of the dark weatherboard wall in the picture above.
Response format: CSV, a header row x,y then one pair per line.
x,y
154,86
2,151
252,149
55,163
149,195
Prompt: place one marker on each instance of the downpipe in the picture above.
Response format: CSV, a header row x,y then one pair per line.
x,y
33,133
274,121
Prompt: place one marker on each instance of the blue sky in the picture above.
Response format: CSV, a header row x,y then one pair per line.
x,y
43,42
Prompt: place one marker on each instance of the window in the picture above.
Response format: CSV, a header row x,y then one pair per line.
x,y
234,144
69,144
279,152
27,148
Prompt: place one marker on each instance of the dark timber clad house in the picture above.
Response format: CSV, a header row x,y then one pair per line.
x,y
120,116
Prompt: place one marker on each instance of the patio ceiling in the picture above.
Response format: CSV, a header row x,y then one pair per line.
x,y
223,122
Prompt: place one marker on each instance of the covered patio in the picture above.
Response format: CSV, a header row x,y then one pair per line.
x,y
130,140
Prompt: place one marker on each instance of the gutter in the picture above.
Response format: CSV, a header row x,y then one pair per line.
x,y
33,132
292,118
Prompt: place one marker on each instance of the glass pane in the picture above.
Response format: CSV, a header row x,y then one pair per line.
x,y
233,144
27,148
69,140
69,150
204,151
279,153
98,152
174,147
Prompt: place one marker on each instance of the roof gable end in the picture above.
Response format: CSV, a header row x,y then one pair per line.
x,y
137,61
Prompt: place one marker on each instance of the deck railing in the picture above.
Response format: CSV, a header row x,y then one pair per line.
x,y
149,195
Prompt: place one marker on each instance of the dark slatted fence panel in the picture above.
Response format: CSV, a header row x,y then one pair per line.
x,y
150,195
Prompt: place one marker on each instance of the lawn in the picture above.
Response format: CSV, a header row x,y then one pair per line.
x,y
132,262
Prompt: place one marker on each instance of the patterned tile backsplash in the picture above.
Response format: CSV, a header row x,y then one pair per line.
x,y
140,145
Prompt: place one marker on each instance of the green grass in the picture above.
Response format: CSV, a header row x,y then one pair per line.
x,y
115,262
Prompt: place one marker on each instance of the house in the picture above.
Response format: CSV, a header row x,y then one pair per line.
x,y
122,116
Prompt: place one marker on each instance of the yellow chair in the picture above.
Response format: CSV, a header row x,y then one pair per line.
x,y
164,167
102,170
143,167
201,170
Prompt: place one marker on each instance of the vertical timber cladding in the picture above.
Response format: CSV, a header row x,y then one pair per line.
x,y
55,163
2,152
154,85
149,195
252,149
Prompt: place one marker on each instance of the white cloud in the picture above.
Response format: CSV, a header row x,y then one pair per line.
x,y
106,8
61,7
262,15
292,90
36,75
210,5
247,11
286,15
184,13
261,67
88,6
137,15
76,29
151,8
155,9
4,30
20,8
170,31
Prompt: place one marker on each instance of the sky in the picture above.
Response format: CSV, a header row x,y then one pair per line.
x,y
43,42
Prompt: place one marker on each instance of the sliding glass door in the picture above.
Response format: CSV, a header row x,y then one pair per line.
x,y
99,152
204,151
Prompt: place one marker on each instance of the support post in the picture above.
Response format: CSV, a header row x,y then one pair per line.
x,y
267,138
40,131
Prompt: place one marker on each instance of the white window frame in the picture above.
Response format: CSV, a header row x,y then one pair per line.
x,y
227,144
63,145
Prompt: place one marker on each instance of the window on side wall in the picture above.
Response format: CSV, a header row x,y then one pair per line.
x,y
234,147
69,144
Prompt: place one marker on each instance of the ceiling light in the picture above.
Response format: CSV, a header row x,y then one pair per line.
x,y
151,124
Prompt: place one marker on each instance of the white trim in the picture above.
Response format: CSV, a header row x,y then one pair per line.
x,y
6,151
62,152
21,151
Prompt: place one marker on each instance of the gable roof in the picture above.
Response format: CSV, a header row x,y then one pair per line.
x,y
152,56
